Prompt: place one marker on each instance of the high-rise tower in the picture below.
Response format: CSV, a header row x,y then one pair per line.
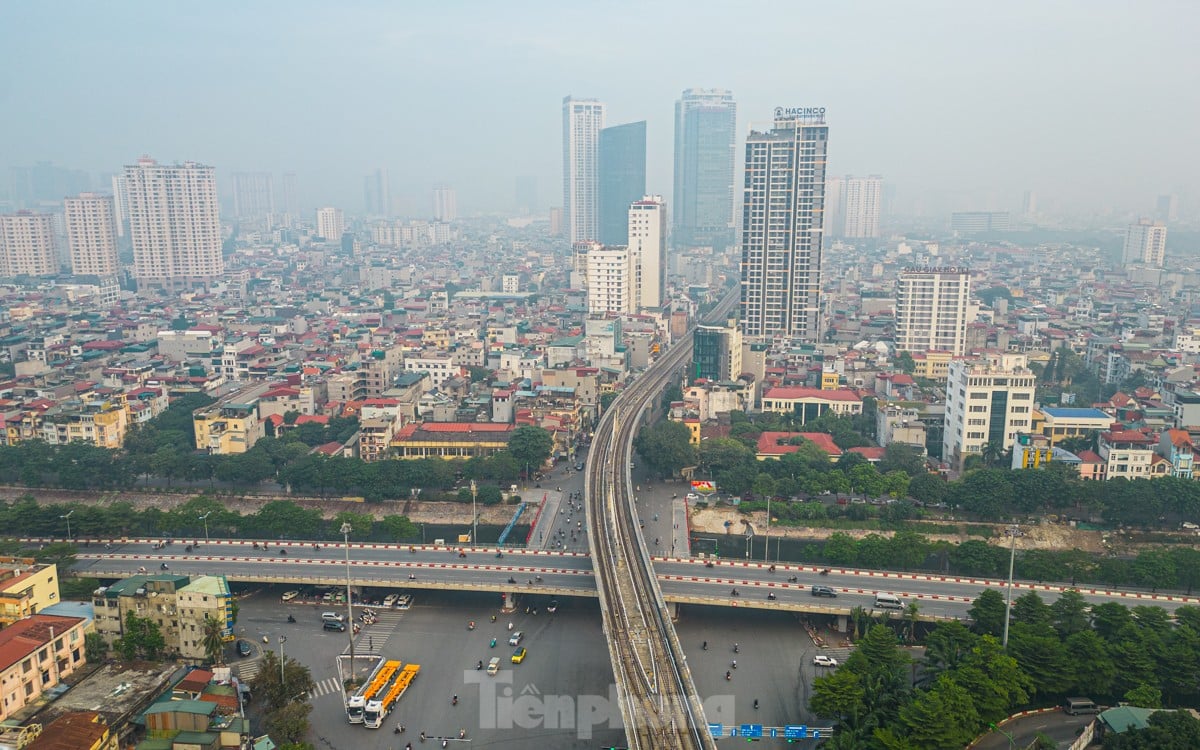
x,y
863,198
253,196
647,248
783,206
445,203
621,169
92,234
705,138
174,223
933,309
583,119
27,244
1146,243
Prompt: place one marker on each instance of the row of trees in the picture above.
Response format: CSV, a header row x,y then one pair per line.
x,y
880,699
279,519
164,449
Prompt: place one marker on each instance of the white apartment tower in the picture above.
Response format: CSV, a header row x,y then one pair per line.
x,y
863,196
92,234
253,196
647,248
1146,243
27,244
331,223
782,213
583,119
608,278
989,399
174,224
445,203
120,203
933,309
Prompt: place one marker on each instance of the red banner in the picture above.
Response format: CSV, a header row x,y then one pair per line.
x,y
704,486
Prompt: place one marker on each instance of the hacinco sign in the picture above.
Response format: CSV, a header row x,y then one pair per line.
x,y
800,112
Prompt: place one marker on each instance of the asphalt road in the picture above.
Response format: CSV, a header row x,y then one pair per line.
x,y
1058,726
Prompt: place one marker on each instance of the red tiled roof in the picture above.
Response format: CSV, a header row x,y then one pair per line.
x,y
871,453
1089,457
23,637
306,418
795,392
776,443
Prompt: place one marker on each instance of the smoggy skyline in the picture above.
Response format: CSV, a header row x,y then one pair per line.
x,y
959,106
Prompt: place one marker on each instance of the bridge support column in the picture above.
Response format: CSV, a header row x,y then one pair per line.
x,y
842,624
510,602
673,610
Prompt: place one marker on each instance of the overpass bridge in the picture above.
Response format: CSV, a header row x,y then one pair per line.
x,y
682,580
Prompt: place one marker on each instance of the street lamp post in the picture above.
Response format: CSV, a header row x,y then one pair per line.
x,y
204,518
766,534
282,681
68,519
346,529
474,515
1012,557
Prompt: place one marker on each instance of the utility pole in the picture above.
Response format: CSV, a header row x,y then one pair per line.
x,y
68,519
346,529
1012,557
204,518
474,515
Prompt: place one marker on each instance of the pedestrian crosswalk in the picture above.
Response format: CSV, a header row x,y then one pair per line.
x,y
371,638
327,686
248,669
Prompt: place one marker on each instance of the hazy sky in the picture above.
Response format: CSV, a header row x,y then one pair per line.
x,y
1092,104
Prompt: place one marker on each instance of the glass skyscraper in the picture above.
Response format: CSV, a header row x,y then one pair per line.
x,y
705,138
622,172
782,213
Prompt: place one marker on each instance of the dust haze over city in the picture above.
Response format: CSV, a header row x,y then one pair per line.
x,y
619,375
960,107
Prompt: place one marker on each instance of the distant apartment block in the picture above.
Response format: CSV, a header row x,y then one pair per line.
x,y
583,119
1131,454
861,206
899,424
451,440
716,352
26,588
1146,244
705,156
977,222
647,232
331,223
445,203
176,603
27,245
174,224
1062,423
91,234
933,309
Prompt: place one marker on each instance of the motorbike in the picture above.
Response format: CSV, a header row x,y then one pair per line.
x,y
708,564
163,566
493,618
756,704
462,554
793,579
479,665
399,728
493,644
283,552
728,676
454,701
512,580
291,618
499,554
735,648
471,625
824,571
704,646
188,548
734,593
770,597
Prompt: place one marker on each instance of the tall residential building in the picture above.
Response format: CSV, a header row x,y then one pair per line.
x,y
290,206
1166,207
783,205
864,195
91,234
331,223
1146,243
27,244
174,223
716,352
933,309
989,399
608,277
253,196
445,203
377,194
705,143
557,222
647,248
120,203
622,178
1029,205
583,119
833,222
971,222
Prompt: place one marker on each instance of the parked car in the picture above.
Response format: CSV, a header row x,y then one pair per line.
x,y
821,660
289,595
243,648
515,638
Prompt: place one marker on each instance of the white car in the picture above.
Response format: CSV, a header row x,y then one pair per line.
x,y
821,660
289,595
515,638
390,599
404,602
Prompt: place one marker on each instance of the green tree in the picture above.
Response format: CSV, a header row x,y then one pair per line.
x,y
837,695
141,638
1166,730
841,549
290,722
1155,568
976,557
993,678
1093,668
901,457
666,447
61,554
214,644
276,693
946,646
672,393
531,446
361,524
1068,613
95,648
1042,656
1030,609
941,718
1144,696
987,613
929,489
906,363
399,528
606,400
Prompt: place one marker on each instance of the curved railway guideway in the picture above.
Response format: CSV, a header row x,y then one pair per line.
x,y
660,706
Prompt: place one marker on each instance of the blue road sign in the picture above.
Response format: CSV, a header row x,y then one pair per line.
x,y
795,732
716,730
816,733
752,730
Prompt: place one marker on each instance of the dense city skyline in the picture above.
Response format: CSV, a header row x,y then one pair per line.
x,y
935,99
